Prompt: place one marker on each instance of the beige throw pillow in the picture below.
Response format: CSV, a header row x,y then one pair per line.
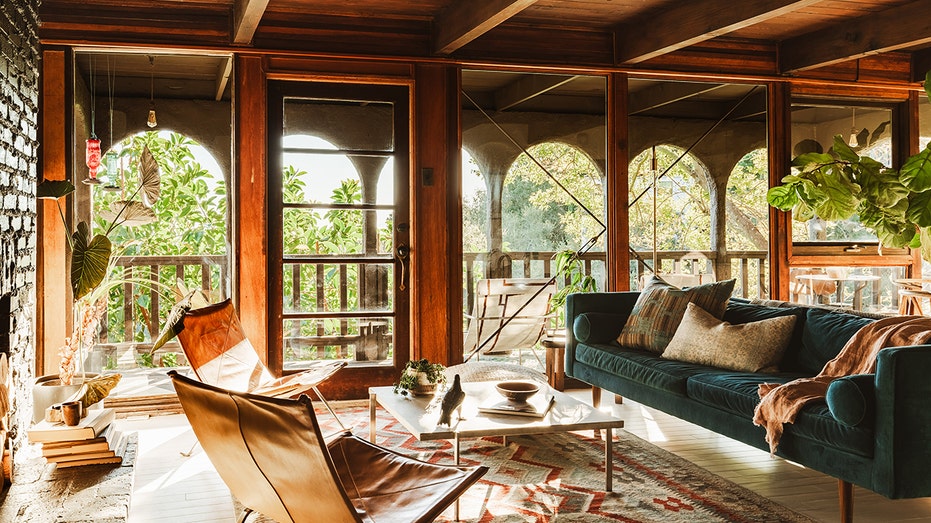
x,y
752,347
660,307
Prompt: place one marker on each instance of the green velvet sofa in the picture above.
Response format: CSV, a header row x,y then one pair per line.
x,y
873,430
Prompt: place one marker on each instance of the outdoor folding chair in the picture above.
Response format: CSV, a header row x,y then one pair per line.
x,y
221,355
509,314
272,456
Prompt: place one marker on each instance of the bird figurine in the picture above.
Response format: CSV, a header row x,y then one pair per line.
x,y
452,400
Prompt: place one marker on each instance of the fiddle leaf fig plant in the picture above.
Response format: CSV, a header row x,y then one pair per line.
x,y
895,204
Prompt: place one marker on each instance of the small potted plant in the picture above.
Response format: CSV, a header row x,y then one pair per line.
x,y
420,378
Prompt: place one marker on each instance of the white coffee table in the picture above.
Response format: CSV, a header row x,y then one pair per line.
x,y
419,415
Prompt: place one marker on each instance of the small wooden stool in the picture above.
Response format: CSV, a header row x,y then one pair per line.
x,y
910,301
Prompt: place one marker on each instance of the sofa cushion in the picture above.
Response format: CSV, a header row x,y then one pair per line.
x,y
639,366
741,312
660,307
852,399
597,327
824,335
737,393
752,347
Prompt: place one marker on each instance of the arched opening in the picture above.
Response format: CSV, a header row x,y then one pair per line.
x,y
179,240
671,217
747,225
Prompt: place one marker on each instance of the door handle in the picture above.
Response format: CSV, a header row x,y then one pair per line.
x,y
403,253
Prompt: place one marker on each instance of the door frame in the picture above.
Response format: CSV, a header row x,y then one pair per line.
x,y
353,380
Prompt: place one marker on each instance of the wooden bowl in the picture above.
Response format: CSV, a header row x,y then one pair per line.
x,y
517,390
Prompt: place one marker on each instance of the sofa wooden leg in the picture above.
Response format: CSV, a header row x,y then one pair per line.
x,y
596,396
845,496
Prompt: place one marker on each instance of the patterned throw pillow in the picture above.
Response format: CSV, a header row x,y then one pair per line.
x,y
660,307
751,347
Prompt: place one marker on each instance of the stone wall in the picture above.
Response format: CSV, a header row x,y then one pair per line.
x,y
19,147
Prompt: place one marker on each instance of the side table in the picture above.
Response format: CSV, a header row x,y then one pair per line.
x,y
555,346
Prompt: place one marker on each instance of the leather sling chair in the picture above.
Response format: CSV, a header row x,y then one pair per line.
x,y
272,456
220,354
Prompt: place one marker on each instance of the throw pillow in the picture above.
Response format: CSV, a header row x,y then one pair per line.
x,y
660,307
750,347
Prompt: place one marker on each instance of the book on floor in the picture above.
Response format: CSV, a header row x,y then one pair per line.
x,y
88,428
118,443
535,407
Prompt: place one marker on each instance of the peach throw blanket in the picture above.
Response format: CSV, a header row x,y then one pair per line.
x,y
780,404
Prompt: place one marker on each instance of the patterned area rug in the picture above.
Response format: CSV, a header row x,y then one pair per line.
x,y
560,477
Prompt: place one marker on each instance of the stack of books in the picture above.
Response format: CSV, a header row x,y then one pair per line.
x,y
93,441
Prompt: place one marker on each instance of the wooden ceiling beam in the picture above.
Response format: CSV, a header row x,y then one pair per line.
x,y
896,28
466,20
688,23
666,93
246,17
223,76
527,87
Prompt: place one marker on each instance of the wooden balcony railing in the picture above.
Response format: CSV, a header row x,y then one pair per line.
x,y
210,273
750,268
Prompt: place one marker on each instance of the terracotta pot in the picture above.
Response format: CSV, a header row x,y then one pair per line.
x,y
48,391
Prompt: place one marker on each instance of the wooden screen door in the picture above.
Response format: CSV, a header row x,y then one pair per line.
x,y
339,164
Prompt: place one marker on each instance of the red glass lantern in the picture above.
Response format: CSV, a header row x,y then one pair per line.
x,y
92,158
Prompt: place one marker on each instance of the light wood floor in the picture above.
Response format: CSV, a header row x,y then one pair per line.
x,y
171,487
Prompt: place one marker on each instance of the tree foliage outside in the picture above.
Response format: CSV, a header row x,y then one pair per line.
x,y
747,227
683,216
539,216
191,221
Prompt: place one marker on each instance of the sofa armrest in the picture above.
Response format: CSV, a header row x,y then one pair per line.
x,y
903,422
620,303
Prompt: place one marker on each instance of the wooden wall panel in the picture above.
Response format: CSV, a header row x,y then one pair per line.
x,y
436,294
780,154
53,296
250,200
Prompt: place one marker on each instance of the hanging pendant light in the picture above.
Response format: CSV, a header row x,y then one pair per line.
x,y
853,141
151,121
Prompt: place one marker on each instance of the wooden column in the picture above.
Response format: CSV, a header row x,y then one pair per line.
x,y
53,291
436,210
905,144
618,153
780,157
250,202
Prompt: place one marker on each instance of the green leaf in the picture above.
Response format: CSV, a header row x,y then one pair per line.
x,y
54,189
802,212
919,209
841,201
916,172
843,151
925,234
89,260
782,197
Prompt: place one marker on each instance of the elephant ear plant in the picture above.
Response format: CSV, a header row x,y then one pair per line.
x,y
92,270
895,204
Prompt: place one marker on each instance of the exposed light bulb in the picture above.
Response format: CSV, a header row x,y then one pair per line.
x,y
853,142
151,121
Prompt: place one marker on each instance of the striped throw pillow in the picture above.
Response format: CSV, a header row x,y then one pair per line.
x,y
660,308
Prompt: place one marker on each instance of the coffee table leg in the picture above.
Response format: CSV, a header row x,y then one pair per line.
x,y
456,455
372,402
609,462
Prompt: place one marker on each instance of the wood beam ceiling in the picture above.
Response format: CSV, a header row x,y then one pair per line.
x,y
466,20
223,77
896,28
527,87
688,23
665,93
246,17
